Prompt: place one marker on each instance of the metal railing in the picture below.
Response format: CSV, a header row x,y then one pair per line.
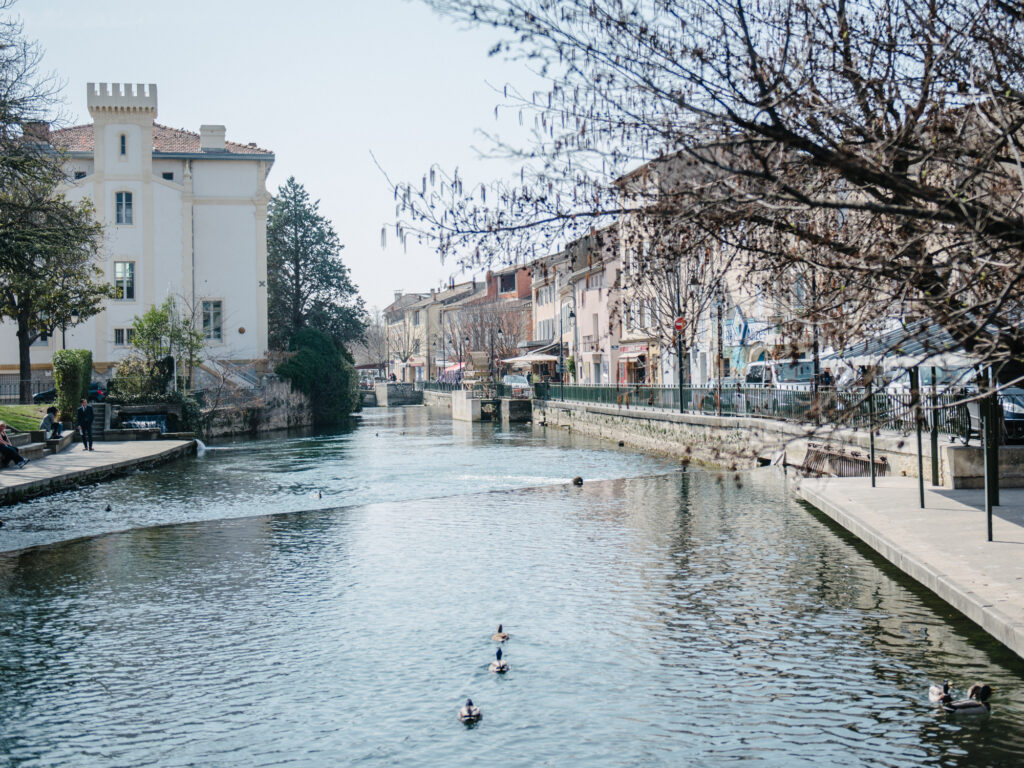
x,y
439,386
847,407
10,389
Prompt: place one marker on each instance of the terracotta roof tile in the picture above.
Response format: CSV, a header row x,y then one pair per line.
x,y
79,138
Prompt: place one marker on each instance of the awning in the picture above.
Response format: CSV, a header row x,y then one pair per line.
x,y
632,355
456,367
532,358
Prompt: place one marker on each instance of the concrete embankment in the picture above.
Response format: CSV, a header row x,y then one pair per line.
x,y
720,441
75,466
943,546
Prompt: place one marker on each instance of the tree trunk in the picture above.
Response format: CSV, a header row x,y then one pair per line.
x,y
25,340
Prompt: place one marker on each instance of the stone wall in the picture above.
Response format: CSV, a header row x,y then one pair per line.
x,y
724,441
397,393
272,406
440,399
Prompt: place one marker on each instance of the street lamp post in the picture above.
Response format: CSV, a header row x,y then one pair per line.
x,y
75,317
561,365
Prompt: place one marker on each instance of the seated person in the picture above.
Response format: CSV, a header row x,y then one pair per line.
x,y
50,425
8,452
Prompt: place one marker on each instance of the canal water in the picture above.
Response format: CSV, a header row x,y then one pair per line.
x,y
656,616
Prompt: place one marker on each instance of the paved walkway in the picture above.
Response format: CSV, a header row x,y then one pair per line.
x,y
944,546
75,465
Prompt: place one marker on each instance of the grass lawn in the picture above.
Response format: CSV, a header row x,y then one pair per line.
x,y
23,417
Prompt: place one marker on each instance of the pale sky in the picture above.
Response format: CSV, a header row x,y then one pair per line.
x,y
320,83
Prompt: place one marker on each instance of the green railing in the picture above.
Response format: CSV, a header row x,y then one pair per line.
x,y
848,407
440,386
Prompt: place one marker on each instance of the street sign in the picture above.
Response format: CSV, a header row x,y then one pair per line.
x,y
680,323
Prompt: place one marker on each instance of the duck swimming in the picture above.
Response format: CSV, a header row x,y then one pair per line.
x,y
470,713
937,693
499,666
976,702
500,636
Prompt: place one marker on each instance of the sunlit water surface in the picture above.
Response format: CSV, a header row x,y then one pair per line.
x,y
697,617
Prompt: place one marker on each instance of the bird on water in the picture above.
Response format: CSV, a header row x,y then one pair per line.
x,y
470,713
976,702
936,693
501,636
499,666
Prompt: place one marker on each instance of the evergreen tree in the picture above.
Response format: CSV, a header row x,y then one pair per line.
x,y
308,285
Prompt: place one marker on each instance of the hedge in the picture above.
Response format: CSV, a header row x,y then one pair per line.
x,y
323,372
67,377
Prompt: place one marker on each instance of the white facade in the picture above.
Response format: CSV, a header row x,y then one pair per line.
x,y
185,215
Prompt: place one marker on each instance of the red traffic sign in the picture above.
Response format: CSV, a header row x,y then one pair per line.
x,y
680,323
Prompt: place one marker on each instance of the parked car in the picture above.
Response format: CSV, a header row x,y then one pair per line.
x,y
97,393
519,385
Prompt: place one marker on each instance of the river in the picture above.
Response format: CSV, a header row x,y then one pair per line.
x,y
656,615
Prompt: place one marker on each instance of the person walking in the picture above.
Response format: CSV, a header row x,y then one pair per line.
x,y
8,452
83,418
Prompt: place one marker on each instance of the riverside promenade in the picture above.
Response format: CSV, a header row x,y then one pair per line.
x,y
943,546
75,466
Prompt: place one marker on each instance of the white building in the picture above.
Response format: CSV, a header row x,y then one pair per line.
x,y
185,216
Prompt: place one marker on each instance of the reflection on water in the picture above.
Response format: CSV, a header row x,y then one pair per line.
x,y
653,620
395,454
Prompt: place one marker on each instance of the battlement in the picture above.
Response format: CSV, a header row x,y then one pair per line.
x,y
121,97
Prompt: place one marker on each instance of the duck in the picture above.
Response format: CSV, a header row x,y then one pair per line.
x,y
499,666
500,636
577,480
937,693
976,702
470,713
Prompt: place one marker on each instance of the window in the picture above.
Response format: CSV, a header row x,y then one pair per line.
x,y
416,317
43,340
508,282
124,145
123,336
168,175
595,281
79,174
212,317
124,280
123,208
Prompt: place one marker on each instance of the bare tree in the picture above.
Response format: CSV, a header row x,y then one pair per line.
x,y
373,348
872,147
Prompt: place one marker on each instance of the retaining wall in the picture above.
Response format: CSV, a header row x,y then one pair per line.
x,y
735,441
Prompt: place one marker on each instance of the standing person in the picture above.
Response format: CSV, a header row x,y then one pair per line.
x,y
83,418
50,425
7,450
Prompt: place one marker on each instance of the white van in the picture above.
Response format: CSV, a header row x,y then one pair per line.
x,y
795,375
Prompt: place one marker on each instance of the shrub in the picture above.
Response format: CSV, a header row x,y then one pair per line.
x,y
85,375
67,377
321,371
135,378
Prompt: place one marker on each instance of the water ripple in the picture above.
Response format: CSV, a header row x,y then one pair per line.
x,y
653,620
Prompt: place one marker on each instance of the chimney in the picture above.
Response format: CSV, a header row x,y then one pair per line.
x,y
398,295
211,138
37,130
